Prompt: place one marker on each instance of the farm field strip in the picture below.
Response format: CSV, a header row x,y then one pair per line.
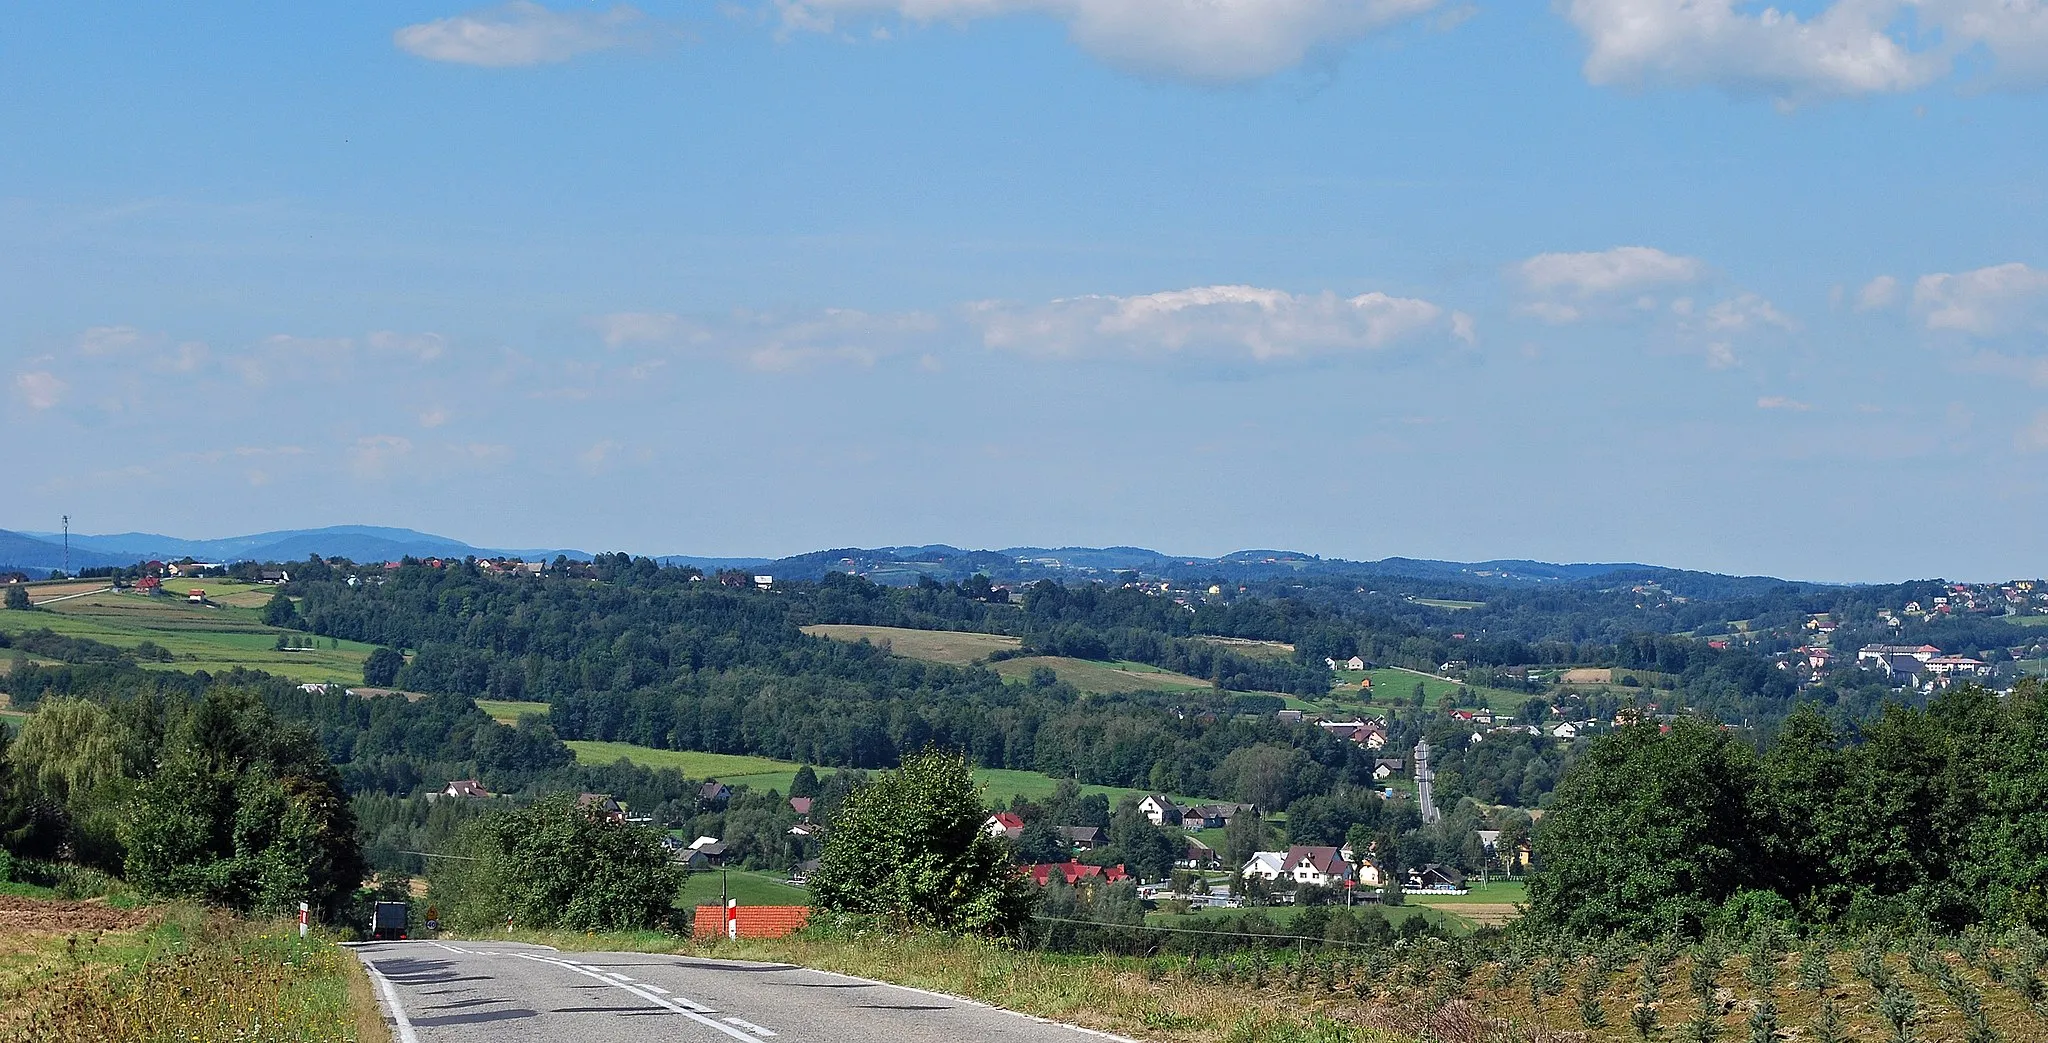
x,y
767,773
1102,678
1395,685
506,711
199,637
937,646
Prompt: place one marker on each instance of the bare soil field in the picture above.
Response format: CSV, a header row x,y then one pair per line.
x,y
23,916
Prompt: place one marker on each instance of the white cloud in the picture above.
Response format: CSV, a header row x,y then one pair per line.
x,y
1878,294
40,389
521,33
1221,321
2002,299
1846,47
424,347
1210,41
1743,312
1607,271
434,417
1781,402
374,456
107,340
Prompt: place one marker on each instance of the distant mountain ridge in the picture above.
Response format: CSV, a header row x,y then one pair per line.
x,y
42,550
888,565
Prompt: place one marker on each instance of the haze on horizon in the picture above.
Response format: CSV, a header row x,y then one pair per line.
x,y
1359,278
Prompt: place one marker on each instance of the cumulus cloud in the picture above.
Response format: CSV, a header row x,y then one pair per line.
x,y
2002,299
1847,47
1781,402
521,33
1878,294
1220,321
1621,269
1211,41
40,389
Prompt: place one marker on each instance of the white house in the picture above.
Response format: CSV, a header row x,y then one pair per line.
x,y
1566,730
1265,865
1004,825
1160,810
1354,663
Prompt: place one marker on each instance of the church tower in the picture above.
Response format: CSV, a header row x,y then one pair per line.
x,y
1424,797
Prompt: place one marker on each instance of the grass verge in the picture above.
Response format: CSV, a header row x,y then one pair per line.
x,y
72,976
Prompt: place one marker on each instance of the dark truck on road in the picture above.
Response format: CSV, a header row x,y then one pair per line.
x,y
388,921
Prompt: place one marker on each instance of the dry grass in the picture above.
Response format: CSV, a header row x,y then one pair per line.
x,y
195,975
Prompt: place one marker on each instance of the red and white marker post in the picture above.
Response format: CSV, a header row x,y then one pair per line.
x,y
305,913
732,918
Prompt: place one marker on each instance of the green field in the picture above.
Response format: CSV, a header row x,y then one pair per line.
x,y
764,773
937,646
1395,685
199,637
703,888
2029,622
691,763
1106,678
505,711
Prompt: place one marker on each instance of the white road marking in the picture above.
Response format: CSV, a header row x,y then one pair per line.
x,y
450,948
655,988
398,1018
974,1003
679,1005
618,977
751,1027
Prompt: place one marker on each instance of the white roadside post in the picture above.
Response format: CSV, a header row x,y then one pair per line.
x,y
732,919
304,912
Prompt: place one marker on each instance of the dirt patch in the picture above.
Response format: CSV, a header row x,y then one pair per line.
x,y
1484,914
1587,675
39,916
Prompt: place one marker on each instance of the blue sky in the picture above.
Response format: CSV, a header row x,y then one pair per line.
x,y
1683,281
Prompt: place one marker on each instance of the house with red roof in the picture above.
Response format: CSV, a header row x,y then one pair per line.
x,y
1004,825
1074,873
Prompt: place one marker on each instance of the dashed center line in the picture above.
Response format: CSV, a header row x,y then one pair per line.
x,y
679,1005
750,1027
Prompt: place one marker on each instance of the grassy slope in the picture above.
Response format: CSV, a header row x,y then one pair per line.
x,y
768,773
1391,685
704,888
938,646
1103,677
506,711
201,637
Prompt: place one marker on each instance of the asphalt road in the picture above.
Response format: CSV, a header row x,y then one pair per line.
x,y
472,992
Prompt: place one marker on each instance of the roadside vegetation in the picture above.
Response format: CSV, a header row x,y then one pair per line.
x,y
82,973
